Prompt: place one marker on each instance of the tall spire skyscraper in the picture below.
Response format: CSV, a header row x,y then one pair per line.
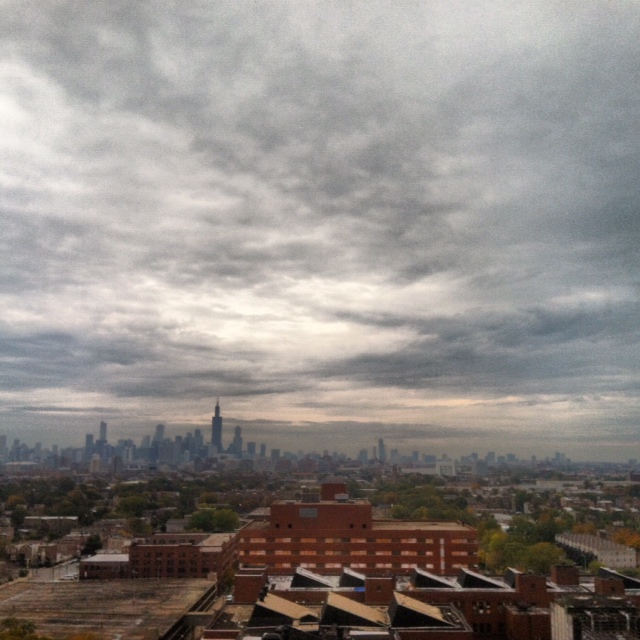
x,y
216,428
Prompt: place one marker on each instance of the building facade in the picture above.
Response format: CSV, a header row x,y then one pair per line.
x,y
105,566
327,535
188,555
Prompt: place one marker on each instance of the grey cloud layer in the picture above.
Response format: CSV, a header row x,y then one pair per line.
x,y
533,351
195,196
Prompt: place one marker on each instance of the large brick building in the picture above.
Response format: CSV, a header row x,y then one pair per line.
x,y
187,555
326,532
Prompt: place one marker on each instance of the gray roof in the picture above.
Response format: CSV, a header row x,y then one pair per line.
x,y
106,558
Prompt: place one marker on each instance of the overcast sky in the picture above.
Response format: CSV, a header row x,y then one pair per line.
x,y
349,220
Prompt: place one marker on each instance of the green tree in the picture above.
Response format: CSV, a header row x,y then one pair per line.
x,y
209,497
500,550
210,520
93,543
14,500
542,556
226,520
18,515
76,503
18,629
353,488
547,527
203,520
594,567
523,529
139,527
515,554
487,524
422,513
492,549
132,506
400,512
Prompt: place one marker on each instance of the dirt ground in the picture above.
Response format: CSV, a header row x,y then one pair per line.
x,y
118,609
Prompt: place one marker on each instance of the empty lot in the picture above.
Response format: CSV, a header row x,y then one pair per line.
x,y
121,609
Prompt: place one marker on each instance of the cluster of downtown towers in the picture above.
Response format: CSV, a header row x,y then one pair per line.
x,y
235,447
159,449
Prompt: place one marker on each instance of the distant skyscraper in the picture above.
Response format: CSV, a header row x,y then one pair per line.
x,y
88,446
159,435
216,428
382,454
103,431
94,466
237,441
251,448
263,450
117,465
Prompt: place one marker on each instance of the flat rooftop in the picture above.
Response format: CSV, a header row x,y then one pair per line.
x,y
217,539
377,525
106,558
302,503
421,525
118,608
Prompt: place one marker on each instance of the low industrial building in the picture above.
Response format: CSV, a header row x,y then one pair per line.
x,y
105,566
425,605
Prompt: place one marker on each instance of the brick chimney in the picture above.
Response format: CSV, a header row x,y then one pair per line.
x,y
249,584
532,589
608,587
565,575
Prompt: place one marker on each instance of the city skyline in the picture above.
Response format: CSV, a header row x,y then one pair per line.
x,y
237,446
349,220
248,443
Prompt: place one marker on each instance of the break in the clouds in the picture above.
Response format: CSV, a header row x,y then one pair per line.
x,y
350,220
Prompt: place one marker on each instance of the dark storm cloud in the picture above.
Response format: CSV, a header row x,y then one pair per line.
x,y
295,203
536,350
43,409
196,385
35,360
